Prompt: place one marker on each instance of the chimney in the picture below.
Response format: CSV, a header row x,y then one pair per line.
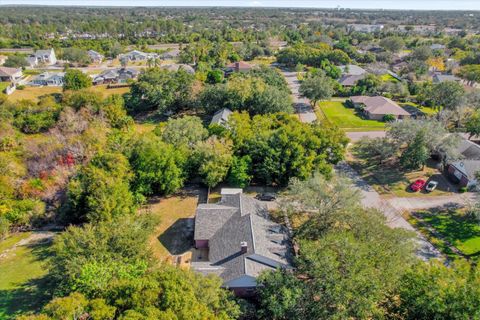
x,y
243,247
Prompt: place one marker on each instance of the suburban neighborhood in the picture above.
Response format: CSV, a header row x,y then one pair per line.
x,y
239,163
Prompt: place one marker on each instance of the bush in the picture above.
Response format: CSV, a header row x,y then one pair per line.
x,y
4,227
388,118
462,190
20,87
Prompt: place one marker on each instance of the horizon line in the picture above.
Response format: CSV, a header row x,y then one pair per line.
x,y
227,6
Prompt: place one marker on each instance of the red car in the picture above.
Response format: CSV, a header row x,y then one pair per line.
x,y
418,185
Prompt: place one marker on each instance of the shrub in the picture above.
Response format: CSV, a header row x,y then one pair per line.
x,y
388,118
20,87
462,190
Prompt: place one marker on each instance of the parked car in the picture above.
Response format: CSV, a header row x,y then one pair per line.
x,y
417,185
266,196
431,185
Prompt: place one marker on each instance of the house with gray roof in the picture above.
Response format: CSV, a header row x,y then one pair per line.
x,y
54,79
120,75
352,70
221,116
463,171
439,78
95,56
10,74
239,241
350,80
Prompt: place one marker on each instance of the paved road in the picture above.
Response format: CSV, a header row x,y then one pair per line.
x,y
302,105
370,198
355,136
433,202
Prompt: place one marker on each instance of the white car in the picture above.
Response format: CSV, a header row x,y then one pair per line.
x,y
431,185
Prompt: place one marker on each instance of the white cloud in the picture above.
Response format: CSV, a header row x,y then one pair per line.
x,y
255,3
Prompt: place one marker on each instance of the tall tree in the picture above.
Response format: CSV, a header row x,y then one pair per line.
x,y
316,87
75,80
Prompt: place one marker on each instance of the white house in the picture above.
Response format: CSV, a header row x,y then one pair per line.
x,y
42,57
136,55
10,74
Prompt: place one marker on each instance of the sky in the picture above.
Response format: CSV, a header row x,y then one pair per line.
x,y
354,4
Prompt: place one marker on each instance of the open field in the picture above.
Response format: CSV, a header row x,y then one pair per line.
x,y
345,118
449,228
33,93
3,86
23,269
174,233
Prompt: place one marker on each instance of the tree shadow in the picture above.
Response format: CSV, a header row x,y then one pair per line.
x,y
178,238
31,296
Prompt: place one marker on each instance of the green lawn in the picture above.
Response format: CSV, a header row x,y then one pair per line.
x,y
23,269
345,118
3,85
426,110
461,231
388,78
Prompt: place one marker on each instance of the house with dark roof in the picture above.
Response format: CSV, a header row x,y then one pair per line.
x,y
375,108
239,241
170,55
350,80
120,75
463,171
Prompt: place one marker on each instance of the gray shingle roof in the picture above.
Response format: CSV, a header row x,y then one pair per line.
x,y
221,116
380,105
239,218
352,70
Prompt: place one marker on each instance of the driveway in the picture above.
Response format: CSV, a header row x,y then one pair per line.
x,y
355,136
302,105
393,215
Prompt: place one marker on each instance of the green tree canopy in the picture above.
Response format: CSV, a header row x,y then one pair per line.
x,y
75,80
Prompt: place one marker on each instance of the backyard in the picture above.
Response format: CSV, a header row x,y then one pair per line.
x,y
173,236
33,93
346,118
451,230
23,269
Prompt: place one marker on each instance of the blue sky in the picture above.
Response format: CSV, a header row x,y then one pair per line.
x,y
375,4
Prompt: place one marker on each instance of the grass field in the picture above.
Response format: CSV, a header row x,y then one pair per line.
x,y
23,269
461,231
426,110
33,93
388,78
174,233
345,118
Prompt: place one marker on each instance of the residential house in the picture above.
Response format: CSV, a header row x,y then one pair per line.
x,y
351,74
49,79
352,70
10,74
375,108
42,57
221,117
175,67
350,80
237,241
170,55
136,55
120,75
240,66
95,56
463,172
439,78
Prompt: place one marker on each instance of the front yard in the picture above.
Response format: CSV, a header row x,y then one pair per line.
x,y
451,230
391,179
346,118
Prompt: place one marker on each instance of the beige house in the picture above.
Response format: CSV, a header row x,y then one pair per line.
x,y
375,108
10,74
